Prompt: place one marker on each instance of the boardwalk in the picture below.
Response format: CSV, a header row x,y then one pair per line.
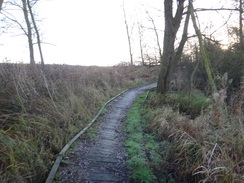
x,y
103,159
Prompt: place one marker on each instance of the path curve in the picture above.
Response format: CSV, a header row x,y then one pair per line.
x,y
103,159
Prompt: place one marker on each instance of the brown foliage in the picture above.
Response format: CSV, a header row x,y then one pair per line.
x,y
199,149
40,111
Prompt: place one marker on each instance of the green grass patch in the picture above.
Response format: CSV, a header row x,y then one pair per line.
x,y
138,163
148,154
104,111
193,105
92,133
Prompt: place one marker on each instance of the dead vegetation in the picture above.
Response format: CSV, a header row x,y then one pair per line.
x,y
40,111
200,150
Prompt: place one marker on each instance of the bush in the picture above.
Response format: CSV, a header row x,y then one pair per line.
x,y
193,105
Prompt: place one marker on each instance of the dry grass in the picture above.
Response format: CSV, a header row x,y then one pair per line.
x,y
200,151
41,111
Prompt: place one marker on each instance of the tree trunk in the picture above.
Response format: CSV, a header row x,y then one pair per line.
x,y
29,32
183,39
241,25
37,33
128,36
156,34
129,42
141,46
193,73
141,50
177,54
202,50
1,4
172,25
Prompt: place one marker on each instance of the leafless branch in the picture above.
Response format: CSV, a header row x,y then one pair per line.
x,y
226,21
156,33
216,9
14,4
13,19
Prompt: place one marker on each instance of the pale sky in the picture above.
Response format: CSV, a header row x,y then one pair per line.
x,y
88,32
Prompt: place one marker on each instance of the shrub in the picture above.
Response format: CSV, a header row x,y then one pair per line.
x,y
193,105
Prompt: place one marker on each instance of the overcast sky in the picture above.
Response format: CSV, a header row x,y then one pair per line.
x,y
87,32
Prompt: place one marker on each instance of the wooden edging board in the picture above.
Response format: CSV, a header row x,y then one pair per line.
x,y
67,146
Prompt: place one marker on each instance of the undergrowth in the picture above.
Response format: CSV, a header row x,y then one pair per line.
x,y
198,149
193,105
40,111
137,164
143,148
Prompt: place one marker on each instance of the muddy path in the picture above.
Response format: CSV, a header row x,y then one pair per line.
x,y
102,159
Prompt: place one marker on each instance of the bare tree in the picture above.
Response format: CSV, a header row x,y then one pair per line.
x,y
140,41
27,25
156,34
172,25
36,31
240,10
29,31
128,35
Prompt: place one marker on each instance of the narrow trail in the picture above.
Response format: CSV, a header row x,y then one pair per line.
x,y
103,159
